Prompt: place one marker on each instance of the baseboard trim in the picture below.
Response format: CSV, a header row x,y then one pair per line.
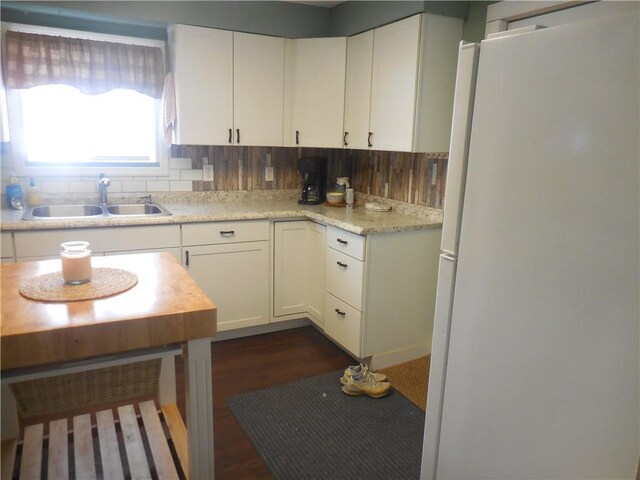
x,y
388,359
376,362
261,329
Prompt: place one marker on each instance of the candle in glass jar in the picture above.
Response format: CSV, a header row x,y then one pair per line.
x,y
76,262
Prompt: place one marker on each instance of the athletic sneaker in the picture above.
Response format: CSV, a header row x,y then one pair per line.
x,y
356,369
361,384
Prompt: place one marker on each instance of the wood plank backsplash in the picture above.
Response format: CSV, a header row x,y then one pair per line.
x,y
407,177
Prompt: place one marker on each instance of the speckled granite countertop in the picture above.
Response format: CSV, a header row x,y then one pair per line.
x,y
219,206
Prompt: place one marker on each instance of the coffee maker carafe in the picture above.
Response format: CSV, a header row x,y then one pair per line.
x,y
314,175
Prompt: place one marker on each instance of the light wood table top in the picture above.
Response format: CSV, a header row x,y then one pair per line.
x,y
166,306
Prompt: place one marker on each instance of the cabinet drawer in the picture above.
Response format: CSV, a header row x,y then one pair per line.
x,y
343,323
224,232
344,277
45,243
175,251
346,242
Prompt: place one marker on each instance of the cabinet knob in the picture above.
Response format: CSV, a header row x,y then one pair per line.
x,y
369,139
230,135
344,139
343,265
340,312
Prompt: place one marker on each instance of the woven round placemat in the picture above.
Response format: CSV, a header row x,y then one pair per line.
x,y
105,282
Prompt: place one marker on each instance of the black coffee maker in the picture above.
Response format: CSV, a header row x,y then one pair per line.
x,y
314,177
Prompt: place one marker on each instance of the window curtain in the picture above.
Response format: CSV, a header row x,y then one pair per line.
x,y
91,66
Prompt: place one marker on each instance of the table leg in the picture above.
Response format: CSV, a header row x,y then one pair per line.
x,y
199,403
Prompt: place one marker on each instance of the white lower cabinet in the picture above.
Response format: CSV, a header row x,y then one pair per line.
x,y
344,288
298,270
373,295
233,273
380,293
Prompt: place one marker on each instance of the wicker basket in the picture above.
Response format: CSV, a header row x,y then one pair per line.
x,y
88,388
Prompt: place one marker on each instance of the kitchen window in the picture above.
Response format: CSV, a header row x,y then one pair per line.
x,y
81,103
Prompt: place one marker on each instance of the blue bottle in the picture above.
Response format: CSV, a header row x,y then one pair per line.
x,y
14,194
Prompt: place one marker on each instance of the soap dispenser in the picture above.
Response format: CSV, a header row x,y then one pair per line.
x,y
33,194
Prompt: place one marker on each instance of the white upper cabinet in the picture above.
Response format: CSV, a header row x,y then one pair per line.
x,y
229,87
258,89
358,90
318,98
393,84
202,64
391,89
413,66
440,39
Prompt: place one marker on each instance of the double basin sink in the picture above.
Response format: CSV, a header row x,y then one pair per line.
x,y
92,211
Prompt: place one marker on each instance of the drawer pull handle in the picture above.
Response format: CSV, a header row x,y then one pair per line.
x,y
343,242
238,136
343,265
187,258
227,233
230,136
340,312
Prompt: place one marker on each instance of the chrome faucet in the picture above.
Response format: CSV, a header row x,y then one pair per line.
x,y
103,183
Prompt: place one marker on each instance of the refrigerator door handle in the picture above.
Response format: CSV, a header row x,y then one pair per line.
x,y
438,369
468,57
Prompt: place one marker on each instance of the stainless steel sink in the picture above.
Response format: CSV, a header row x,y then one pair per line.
x,y
137,209
92,211
64,211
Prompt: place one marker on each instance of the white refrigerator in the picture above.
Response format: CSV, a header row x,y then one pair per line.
x,y
535,359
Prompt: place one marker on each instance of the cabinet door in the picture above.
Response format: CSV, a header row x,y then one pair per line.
x,y
394,81
258,89
203,72
318,109
290,270
358,90
317,235
236,278
299,269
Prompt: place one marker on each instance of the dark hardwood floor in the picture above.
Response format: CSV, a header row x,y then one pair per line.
x,y
252,363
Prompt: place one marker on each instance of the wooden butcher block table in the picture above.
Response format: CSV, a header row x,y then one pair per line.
x,y
165,307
